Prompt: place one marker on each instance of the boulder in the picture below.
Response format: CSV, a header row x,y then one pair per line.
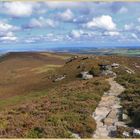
x,y
136,132
71,59
86,75
105,67
115,65
126,134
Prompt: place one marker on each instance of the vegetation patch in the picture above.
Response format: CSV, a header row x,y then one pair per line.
x,y
131,96
60,113
46,68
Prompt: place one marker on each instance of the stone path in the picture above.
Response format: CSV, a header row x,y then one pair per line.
x,y
108,111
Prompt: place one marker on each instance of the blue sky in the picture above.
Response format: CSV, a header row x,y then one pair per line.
x,y
67,23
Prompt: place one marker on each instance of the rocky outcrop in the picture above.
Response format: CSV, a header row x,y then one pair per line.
x,y
115,65
108,112
85,75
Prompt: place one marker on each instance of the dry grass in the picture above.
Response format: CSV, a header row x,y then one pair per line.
x,y
56,110
45,68
59,56
45,109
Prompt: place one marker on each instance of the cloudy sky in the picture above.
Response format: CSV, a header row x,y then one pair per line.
x,y
88,23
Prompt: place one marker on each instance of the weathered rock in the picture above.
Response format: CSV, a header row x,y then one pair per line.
x,y
124,116
115,65
71,59
101,113
85,75
126,134
75,136
136,132
88,76
105,67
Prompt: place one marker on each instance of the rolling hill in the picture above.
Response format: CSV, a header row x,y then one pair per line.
x,y
43,95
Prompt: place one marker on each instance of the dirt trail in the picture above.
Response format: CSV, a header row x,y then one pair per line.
x,y
108,112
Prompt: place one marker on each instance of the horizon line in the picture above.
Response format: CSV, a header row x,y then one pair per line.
x,y
70,0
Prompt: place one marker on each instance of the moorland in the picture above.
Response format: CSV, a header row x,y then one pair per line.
x,y
45,95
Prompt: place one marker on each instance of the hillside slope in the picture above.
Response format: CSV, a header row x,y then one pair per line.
x,y
47,97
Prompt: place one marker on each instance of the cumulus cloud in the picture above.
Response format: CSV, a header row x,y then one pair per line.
x,y
50,37
67,15
42,22
79,34
102,22
76,33
8,37
87,21
134,36
111,33
17,9
5,27
128,26
6,32
55,4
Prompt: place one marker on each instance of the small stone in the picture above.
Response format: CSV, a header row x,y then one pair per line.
x,y
124,116
126,134
75,136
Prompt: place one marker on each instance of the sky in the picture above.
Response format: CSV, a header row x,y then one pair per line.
x,y
54,24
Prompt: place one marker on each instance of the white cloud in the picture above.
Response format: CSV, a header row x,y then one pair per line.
x,y
134,36
4,27
123,10
6,32
128,26
66,15
55,4
17,9
48,37
42,22
9,36
76,33
139,19
112,33
103,22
